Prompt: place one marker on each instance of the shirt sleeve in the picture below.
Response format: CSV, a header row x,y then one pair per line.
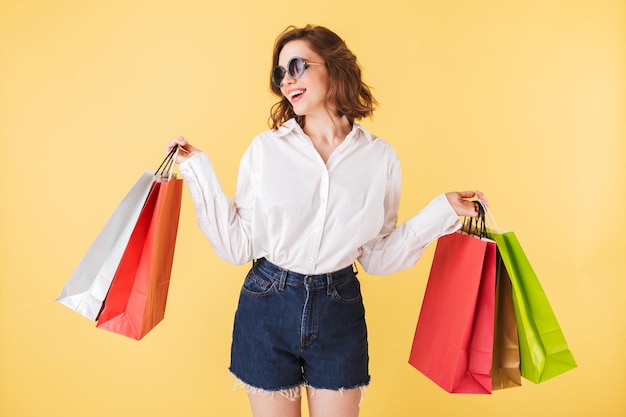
x,y
222,222
398,248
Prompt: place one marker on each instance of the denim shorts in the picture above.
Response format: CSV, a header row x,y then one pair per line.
x,y
293,329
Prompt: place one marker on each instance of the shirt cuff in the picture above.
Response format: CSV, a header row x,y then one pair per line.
x,y
198,171
437,219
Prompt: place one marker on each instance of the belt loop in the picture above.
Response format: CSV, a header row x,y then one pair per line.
x,y
330,286
355,269
283,280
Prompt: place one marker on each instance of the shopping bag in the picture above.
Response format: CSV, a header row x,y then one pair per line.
x,y
88,285
544,352
505,372
137,297
453,340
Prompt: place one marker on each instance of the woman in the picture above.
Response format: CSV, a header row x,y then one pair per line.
x,y
315,193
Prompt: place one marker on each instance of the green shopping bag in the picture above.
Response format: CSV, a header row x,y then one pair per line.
x,y
544,352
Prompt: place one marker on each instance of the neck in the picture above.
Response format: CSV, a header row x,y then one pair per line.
x,y
327,129
326,133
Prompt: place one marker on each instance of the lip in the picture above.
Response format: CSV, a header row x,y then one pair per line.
x,y
293,96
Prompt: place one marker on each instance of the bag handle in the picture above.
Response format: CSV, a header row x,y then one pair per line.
x,y
476,226
172,163
167,166
492,221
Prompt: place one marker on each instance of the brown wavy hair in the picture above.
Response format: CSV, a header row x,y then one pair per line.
x,y
347,90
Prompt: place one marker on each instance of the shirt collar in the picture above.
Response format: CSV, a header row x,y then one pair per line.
x,y
291,125
286,128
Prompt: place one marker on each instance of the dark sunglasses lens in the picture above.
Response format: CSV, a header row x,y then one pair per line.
x,y
278,73
296,68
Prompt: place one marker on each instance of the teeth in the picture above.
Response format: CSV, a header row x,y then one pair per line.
x,y
295,93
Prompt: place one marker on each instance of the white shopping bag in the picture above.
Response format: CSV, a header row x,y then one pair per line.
x,y
88,286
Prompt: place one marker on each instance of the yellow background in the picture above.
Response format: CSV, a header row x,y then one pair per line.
x,y
524,100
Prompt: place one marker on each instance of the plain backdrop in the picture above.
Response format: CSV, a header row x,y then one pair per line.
x,y
524,100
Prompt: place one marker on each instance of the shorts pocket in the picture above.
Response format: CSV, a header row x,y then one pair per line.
x,y
348,292
257,286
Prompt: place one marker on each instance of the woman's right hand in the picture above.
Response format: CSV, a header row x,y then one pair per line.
x,y
186,150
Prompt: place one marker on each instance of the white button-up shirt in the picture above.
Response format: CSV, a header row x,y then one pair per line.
x,y
313,217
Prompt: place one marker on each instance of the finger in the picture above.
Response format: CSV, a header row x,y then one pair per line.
x,y
466,194
482,197
476,208
178,141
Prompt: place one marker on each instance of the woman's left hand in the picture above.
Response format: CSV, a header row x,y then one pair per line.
x,y
463,202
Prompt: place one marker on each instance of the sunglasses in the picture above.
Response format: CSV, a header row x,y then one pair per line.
x,y
295,68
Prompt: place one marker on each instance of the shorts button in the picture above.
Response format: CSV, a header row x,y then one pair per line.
x,y
308,280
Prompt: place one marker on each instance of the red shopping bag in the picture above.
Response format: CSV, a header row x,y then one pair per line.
x,y
453,341
137,297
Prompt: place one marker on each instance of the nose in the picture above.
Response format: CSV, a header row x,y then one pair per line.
x,y
287,80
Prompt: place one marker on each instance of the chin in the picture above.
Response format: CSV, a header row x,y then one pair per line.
x,y
299,112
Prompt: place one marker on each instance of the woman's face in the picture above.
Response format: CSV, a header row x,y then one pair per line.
x,y
307,94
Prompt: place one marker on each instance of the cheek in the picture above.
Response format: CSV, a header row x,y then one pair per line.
x,y
325,88
322,86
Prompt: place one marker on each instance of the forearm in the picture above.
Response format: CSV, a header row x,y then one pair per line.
x,y
217,216
403,247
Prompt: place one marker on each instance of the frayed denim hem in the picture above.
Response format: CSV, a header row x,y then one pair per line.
x,y
293,393
362,388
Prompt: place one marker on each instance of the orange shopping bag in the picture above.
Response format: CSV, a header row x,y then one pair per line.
x,y
138,294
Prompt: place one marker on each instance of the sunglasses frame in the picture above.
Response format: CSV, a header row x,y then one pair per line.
x,y
286,71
